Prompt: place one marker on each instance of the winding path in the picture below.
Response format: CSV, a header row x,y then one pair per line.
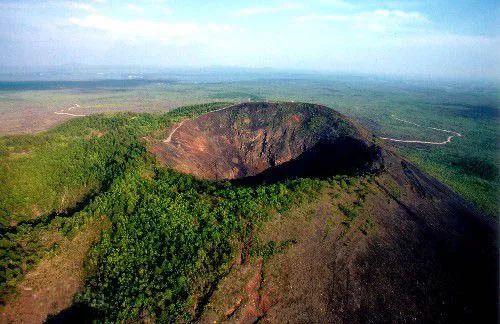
x,y
61,112
69,114
169,138
448,140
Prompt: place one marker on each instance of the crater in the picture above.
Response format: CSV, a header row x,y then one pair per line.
x,y
266,142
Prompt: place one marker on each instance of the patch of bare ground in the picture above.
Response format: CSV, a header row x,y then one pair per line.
x,y
18,155
34,118
51,285
238,296
28,120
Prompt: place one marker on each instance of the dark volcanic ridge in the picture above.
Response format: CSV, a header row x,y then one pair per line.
x,y
431,258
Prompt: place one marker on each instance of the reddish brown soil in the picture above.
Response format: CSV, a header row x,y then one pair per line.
x,y
239,298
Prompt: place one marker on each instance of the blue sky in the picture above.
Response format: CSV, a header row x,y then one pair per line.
x,y
426,38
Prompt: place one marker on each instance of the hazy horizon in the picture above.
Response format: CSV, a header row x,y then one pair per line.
x,y
82,72
439,39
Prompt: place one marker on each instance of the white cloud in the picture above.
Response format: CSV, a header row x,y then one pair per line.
x,y
22,6
39,5
412,15
219,28
338,3
135,9
80,6
164,32
268,10
376,21
450,39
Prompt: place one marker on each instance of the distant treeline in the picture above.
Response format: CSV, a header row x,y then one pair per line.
x,y
93,85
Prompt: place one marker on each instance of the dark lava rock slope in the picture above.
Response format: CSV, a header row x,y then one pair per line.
x,y
270,140
429,257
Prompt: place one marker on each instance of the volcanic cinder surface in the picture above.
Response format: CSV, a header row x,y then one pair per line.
x,y
430,258
268,142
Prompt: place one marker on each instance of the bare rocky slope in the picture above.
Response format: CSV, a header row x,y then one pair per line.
x,y
285,139
429,257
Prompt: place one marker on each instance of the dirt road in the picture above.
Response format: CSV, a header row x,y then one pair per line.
x,y
448,140
169,138
62,111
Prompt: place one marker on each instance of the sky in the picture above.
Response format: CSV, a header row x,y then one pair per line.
x,y
437,38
